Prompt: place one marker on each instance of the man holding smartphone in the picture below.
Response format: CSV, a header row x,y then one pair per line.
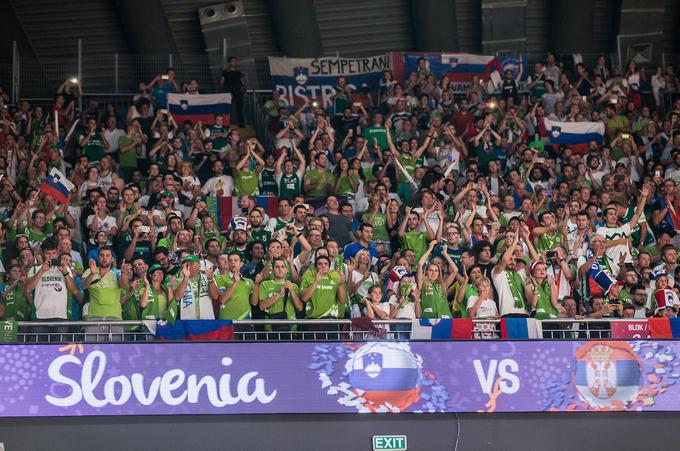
x,y
50,284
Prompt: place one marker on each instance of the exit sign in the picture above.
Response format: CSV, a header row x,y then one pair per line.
x,y
389,442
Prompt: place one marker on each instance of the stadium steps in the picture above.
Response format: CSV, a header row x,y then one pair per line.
x,y
54,28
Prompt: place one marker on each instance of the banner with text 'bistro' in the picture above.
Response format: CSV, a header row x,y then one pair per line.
x,y
423,377
300,79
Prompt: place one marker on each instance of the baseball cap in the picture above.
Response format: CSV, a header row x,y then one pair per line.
x,y
191,258
155,267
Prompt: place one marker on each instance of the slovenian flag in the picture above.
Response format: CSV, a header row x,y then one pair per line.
x,y
57,186
664,327
199,107
195,330
574,132
520,328
442,329
224,208
464,66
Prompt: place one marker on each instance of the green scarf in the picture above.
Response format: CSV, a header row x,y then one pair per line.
x,y
516,285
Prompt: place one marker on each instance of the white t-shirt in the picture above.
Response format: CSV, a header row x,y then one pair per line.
x,y
51,294
103,225
362,290
112,137
505,300
615,233
408,311
223,182
488,308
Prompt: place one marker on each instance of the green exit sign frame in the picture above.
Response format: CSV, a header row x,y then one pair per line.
x,y
389,443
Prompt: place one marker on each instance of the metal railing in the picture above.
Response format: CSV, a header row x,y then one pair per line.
x,y
297,330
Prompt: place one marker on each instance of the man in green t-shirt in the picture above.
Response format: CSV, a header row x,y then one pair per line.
x,y
129,145
247,180
288,180
376,132
93,143
279,298
104,284
319,182
237,297
323,291
218,134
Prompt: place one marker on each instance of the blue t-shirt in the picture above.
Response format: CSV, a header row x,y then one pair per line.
x,y
160,94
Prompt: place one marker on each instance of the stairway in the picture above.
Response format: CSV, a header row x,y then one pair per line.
x,y
54,28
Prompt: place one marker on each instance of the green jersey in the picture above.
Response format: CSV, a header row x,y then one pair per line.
x,y
238,306
323,183
261,235
433,303
323,303
548,242
219,142
268,183
105,294
247,182
94,149
416,241
289,185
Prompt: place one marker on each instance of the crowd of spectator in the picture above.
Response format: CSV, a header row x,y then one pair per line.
x,y
422,203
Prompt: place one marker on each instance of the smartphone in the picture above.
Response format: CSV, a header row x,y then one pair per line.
x,y
164,111
145,229
625,136
657,173
540,160
548,192
584,98
164,77
55,262
315,104
356,104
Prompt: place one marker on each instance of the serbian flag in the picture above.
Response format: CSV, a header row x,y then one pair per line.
x,y
225,208
574,132
270,205
664,327
195,330
57,186
199,107
520,328
442,329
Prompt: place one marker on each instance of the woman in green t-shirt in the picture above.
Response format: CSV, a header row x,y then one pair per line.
x,y
247,180
154,298
347,179
378,220
541,292
433,287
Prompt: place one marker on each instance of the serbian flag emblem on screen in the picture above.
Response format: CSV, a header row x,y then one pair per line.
x,y
199,107
57,186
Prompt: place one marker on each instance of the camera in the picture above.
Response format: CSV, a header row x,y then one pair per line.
x,y
550,254
144,229
55,262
